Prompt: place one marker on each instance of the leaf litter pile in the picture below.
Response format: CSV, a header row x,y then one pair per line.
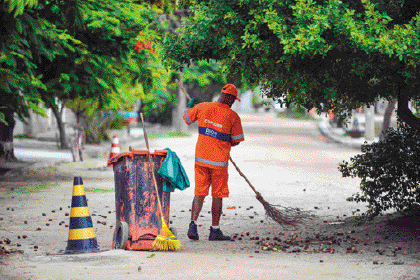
x,y
392,235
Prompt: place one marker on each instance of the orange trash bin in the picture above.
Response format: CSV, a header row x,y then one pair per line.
x,y
137,212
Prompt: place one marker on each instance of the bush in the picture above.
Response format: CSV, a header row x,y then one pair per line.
x,y
389,171
96,129
118,123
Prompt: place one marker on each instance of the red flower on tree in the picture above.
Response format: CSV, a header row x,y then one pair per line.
x,y
149,45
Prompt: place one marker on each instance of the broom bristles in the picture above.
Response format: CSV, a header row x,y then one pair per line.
x,y
166,240
164,244
288,217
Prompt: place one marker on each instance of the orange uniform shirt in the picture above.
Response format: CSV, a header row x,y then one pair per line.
x,y
218,126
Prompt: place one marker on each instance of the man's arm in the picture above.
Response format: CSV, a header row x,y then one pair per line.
x,y
191,114
237,132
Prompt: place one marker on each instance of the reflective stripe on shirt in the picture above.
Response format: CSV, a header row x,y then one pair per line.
x,y
187,117
237,137
215,163
213,133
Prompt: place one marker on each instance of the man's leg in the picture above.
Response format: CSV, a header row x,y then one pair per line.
x,y
216,210
195,211
219,190
197,205
202,185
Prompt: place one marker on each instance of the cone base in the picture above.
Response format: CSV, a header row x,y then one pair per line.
x,y
82,246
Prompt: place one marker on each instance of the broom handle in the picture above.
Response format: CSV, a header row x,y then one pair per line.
x,y
152,164
243,175
183,90
231,160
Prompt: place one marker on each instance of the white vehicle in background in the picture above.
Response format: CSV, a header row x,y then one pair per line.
x,y
279,106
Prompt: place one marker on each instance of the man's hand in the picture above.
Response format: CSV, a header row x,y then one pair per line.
x,y
234,143
192,103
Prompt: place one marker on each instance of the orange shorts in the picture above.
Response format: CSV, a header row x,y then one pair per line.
x,y
217,178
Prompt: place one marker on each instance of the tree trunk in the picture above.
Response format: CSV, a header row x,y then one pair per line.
x,y
29,129
405,113
6,137
181,105
387,118
62,131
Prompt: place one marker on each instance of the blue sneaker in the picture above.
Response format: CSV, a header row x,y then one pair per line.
x,y
217,235
192,231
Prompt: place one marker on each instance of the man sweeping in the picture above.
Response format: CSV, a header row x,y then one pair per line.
x,y
219,129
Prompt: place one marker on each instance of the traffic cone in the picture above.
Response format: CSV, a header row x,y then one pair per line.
x,y
82,236
115,148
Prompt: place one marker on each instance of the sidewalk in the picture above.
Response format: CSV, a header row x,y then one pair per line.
x,y
47,141
339,135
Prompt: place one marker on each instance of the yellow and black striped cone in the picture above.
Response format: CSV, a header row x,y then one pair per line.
x,y
82,236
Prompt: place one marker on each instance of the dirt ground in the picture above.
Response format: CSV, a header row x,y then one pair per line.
x,y
34,219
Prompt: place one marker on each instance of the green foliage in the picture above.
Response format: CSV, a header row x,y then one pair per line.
x,y
388,171
154,135
199,75
118,123
158,105
33,188
82,50
98,190
203,73
346,53
168,6
22,136
19,6
96,128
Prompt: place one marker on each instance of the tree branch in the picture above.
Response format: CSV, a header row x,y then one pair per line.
x,y
404,112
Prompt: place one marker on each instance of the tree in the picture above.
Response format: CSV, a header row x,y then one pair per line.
x,y
80,49
388,170
338,53
201,79
105,56
19,87
387,118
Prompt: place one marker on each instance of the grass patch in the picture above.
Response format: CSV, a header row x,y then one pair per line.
x,y
98,190
32,188
295,115
22,136
154,135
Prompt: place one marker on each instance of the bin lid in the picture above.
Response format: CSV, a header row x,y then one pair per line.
x,y
160,152
134,152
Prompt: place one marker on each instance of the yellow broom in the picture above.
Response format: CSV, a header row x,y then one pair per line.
x,y
166,240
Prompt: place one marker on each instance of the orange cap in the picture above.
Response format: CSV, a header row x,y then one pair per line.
x,y
231,89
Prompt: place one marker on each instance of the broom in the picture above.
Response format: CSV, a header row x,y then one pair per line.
x,y
285,216
166,240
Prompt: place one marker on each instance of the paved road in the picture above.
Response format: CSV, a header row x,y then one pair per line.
x,y
290,162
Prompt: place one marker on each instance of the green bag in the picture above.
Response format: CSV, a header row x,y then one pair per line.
x,y
173,173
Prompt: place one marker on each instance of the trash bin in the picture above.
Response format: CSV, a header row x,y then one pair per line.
x,y
137,211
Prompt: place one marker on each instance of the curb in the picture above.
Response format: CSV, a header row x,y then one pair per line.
x,y
354,143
